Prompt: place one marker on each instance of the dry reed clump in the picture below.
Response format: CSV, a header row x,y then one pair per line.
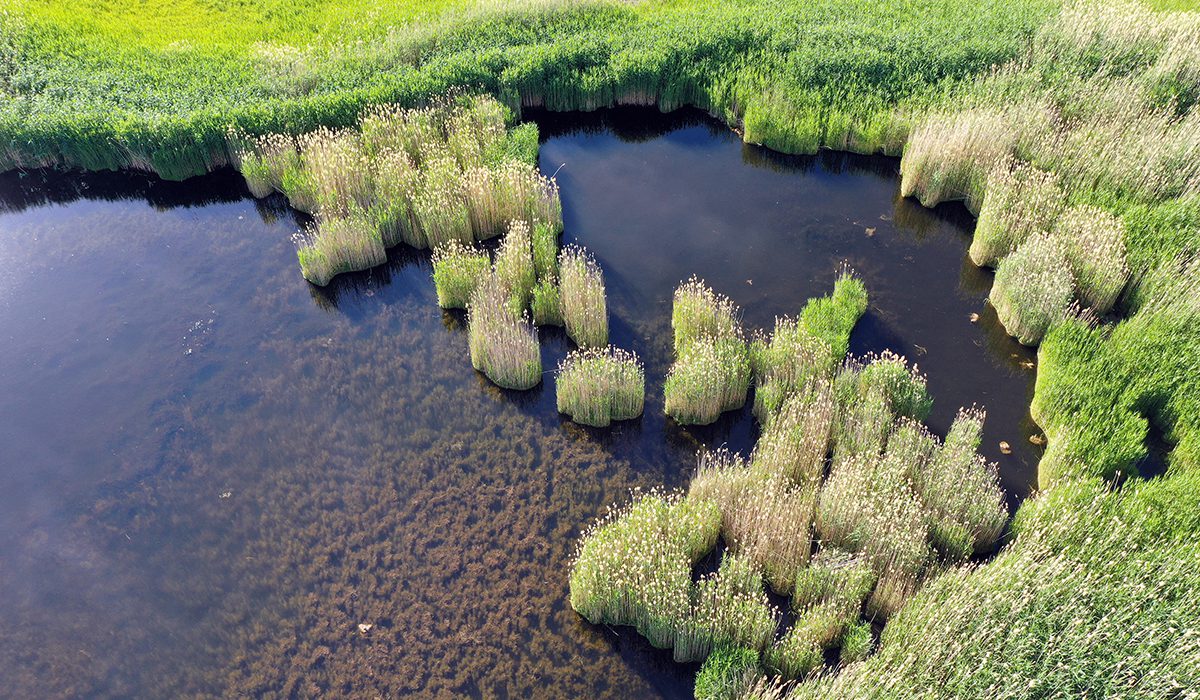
x,y
1033,288
710,377
503,345
425,177
457,270
1094,243
1021,201
729,608
711,372
598,386
633,566
514,265
795,443
582,300
699,312
961,491
546,304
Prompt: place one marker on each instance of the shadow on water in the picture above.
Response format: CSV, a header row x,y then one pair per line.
x,y
215,472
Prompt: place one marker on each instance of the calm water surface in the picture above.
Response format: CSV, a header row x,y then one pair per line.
x,y
214,473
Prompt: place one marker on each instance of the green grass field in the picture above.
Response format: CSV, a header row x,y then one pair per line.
x,y
1097,593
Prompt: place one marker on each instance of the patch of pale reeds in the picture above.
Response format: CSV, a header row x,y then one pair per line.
x,y
597,386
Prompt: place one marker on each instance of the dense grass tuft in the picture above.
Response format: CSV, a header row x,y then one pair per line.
x,y
711,373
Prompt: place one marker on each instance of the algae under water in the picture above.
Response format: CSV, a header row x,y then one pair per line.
x,y
219,480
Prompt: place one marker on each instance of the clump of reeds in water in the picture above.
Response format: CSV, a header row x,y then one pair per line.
x,y
1033,288
806,348
871,393
582,300
729,608
1021,201
699,312
794,444
424,177
457,270
333,245
598,386
729,672
1094,243
765,517
514,265
711,373
961,492
546,304
828,601
634,565
504,346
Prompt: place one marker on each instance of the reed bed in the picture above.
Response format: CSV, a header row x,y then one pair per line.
x,y
424,177
961,491
795,443
727,673
545,251
807,348
598,386
331,246
457,271
504,346
514,265
633,566
699,312
710,377
582,300
1033,288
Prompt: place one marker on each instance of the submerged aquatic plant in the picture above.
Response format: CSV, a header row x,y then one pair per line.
x,y
598,386
504,346
582,299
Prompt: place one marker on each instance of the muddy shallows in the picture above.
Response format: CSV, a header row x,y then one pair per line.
x,y
219,480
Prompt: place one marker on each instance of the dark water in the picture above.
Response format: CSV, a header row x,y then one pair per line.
x,y
213,473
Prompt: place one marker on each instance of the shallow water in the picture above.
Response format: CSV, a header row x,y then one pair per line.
x,y
213,473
